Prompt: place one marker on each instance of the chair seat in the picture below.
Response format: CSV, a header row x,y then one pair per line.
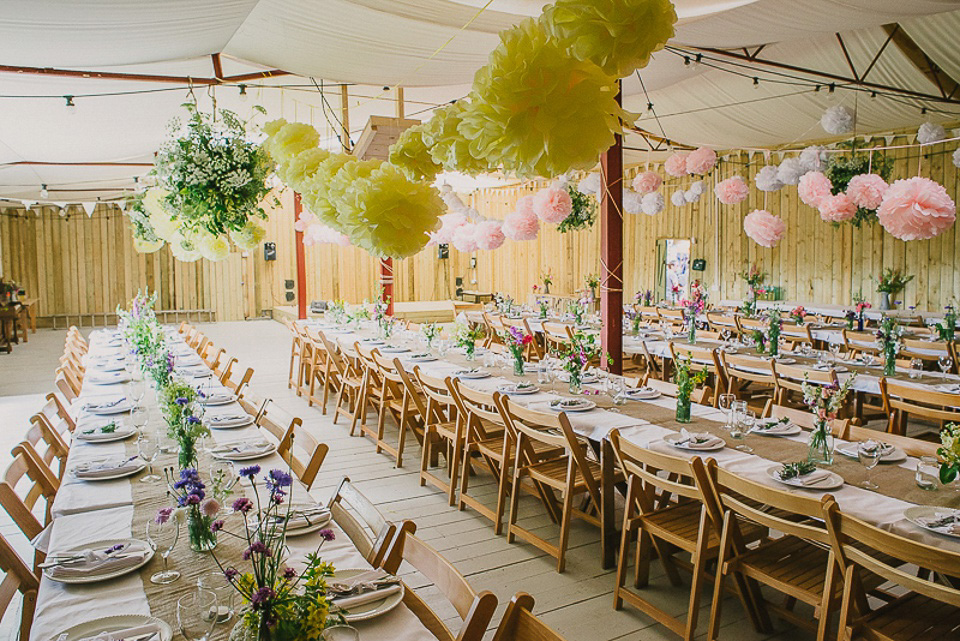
x,y
553,472
791,564
446,429
493,447
680,524
915,618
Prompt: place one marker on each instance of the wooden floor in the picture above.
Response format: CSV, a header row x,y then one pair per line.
x,y
577,603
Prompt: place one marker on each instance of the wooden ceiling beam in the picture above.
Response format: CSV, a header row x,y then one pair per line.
x,y
916,55
141,77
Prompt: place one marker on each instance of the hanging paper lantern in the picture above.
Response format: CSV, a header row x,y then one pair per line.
x,y
916,209
701,161
837,208
411,154
956,158
764,228
814,187
646,182
676,165
790,170
652,204
465,237
767,178
837,120
142,246
732,190
591,185
930,133
867,190
250,237
552,205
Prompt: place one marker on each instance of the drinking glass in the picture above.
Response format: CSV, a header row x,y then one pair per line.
x,y
806,349
745,421
135,390
613,385
928,473
196,614
140,416
148,448
835,351
163,537
725,335
543,373
916,367
217,583
869,453
726,402
945,363
341,632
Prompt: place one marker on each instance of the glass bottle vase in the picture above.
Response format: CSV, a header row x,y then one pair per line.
x,y
683,408
820,444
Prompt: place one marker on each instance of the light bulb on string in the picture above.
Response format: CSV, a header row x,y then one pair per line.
x,y
756,82
243,93
44,192
71,105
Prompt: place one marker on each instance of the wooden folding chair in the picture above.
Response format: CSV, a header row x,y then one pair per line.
x,y
699,395
857,343
442,433
18,577
557,336
49,444
804,419
794,335
911,446
749,371
58,414
789,380
295,348
400,401
570,475
322,371
277,422
303,452
672,317
718,321
493,329
363,523
24,483
927,607
520,624
901,400
350,382
252,404
929,351
227,378
475,609
372,393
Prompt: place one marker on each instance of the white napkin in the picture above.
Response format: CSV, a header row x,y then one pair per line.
x,y
97,435
709,440
242,447
100,469
299,520
126,633
99,406
813,478
217,397
348,602
101,562
774,426
227,420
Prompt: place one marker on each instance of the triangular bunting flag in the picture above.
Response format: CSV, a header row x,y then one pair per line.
x,y
89,208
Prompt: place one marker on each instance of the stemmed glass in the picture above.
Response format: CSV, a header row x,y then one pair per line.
x,y
869,453
217,583
945,363
744,422
163,537
196,614
916,368
135,390
139,416
148,448
835,351
726,402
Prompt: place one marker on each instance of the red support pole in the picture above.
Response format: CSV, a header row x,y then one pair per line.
x,y
301,262
386,283
611,255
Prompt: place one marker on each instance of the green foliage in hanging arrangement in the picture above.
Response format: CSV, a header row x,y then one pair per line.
x,y
583,214
841,168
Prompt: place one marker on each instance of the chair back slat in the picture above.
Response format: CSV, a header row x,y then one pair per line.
x,y
362,522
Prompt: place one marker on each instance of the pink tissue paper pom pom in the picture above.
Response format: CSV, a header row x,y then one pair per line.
x,y
489,234
552,204
304,221
521,225
465,237
867,190
836,209
676,165
814,187
701,161
525,206
647,182
732,190
449,223
916,209
764,228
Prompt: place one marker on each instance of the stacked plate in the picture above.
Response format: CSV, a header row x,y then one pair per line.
x,y
641,394
108,407
572,405
227,420
820,480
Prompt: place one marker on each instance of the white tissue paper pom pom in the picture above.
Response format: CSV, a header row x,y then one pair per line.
x,y
767,179
652,204
590,186
790,171
930,133
812,158
956,158
631,201
678,198
837,120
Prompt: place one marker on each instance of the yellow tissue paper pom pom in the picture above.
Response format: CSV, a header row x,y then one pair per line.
x,y
142,246
412,156
617,35
448,147
164,223
389,215
304,165
184,249
213,248
314,191
536,112
250,237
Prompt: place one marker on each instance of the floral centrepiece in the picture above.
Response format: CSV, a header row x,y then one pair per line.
x,y
466,337
774,325
754,277
825,401
686,381
517,341
798,314
178,403
693,306
947,330
949,453
189,491
889,340
576,356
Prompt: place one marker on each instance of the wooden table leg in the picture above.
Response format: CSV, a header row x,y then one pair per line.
x,y
609,537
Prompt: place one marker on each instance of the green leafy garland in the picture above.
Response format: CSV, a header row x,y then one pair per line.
x,y
841,168
140,221
216,177
581,216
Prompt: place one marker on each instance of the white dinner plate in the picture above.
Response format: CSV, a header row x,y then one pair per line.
x,y
785,361
122,407
245,456
421,358
521,388
675,440
572,405
892,455
115,623
471,373
122,433
215,400
919,514
228,425
790,429
314,526
831,482
642,394
368,610
101,576
124,473
394,350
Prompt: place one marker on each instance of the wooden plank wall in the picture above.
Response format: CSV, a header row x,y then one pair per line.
x,y
85,265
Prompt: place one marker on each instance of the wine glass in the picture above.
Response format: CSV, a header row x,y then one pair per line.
x,y
162,537
726,402
725,335
945,363
806,349
613,385
869,453
916,368
835,351
148,448
744,423
196,614
140,416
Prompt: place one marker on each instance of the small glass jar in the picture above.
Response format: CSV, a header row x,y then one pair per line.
x,y
928,473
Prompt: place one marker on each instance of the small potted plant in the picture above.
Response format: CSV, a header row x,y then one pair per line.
x,y
798,314
949,453
686,381
692,307
947,330
576,356
891,282
430,332
190,494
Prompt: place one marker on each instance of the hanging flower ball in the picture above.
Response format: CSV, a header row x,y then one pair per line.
x,y
411,155
837,208
701,161
676,165
184,249
447,147
812,158
837,120
522,224
930,133
790,170
956,158
647,182
142,246
916,209
652,204
552,205
764,228
767,178
678,198
732,190
489,234
631,201
867,190
814,187
304,165
465,237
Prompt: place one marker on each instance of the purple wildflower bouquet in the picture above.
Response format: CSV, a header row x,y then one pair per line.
x,y
516,341
189,492
576,356
282,604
